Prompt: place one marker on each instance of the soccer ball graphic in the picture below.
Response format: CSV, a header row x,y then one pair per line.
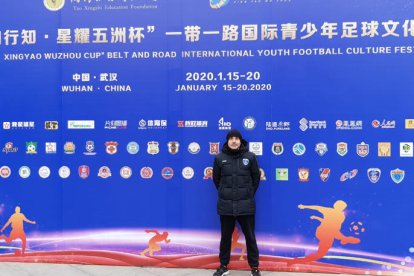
x,y
31,148
357,228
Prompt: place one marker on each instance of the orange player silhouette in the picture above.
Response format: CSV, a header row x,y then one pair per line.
x,y
235,243
327,231
152,244
17,232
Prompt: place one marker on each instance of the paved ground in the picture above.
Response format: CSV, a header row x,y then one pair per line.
x,y
19,269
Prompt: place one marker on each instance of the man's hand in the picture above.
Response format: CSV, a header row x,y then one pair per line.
x,y
301,206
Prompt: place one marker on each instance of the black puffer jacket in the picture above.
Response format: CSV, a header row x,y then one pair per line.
x,y
236,175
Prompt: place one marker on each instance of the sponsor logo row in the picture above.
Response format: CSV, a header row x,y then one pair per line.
x,y
282,174
111,147
373,174
153,147
249,123
84,172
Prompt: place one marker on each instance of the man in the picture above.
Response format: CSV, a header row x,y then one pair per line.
x,y
236,176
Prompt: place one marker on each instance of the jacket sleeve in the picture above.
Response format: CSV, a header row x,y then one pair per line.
x,y
216,173
255,171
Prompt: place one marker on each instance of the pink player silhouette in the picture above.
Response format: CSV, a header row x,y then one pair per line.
x,y
235,244
153,245
328,231
17,232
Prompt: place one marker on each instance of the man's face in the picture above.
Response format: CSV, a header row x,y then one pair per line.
x,y
234,143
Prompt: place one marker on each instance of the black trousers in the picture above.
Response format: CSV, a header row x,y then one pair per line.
x,y
247,224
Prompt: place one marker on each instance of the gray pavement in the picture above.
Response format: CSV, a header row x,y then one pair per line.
x,y
33,269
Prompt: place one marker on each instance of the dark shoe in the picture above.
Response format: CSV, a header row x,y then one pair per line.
x,y
255,272
222,270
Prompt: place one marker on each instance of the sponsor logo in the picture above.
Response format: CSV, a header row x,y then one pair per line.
x,y
5,171
125,172
111,6
217,4
305,124
8,148
44,172
277,148
223,125
31,147
51,125
133,148
18,125
321,149
249,123
362,149
214,148
69,148
383,124
194,148
324,174
348,175
299,149
104,172
54,5
90,148
152,124
50,147
173,147
262,174
153,148
342,148
24,171
83,171
277,126
256,148
116,124
192,124
348,125
406,149
409,123
188,172
167,173
64,172
303,174
282,174
397,175
208,173
111,147
374,174
146,172
384,149
81,124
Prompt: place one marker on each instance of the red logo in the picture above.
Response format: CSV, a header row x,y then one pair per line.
x,y
83,171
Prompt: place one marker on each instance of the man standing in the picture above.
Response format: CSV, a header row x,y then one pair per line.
x,y
236,176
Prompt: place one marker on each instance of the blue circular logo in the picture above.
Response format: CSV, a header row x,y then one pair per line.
x,y
133,148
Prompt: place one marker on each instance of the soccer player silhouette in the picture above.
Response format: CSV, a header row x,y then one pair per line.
x,y
17,232
328,231
236,244
153,242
